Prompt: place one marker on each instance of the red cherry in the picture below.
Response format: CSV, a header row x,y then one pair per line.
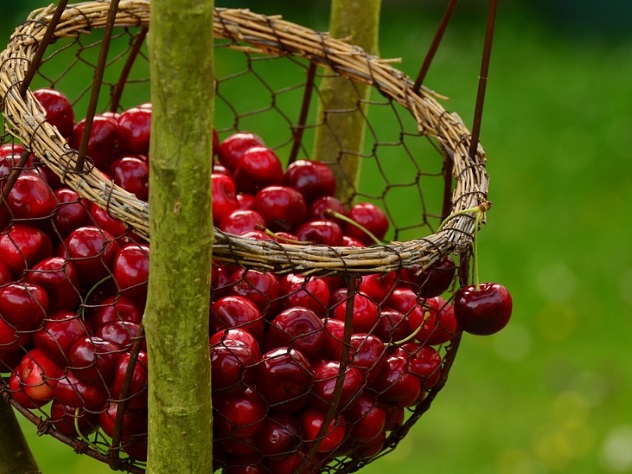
x,y
312,293
59,111
74,393
131,270
378,286
423,361
282,207
262,288
367,354
134,127
92,251
234,146
136,394
483,310
312,179
113,309
322,206
241,221
438,325
239,415
16,390
312,420
365,313
395,384
134,422
10,149
232,363
12,340
60,280
22,246
320,233
131,174
23,305
300,328
104,141
392,326
434,280
67,420
38,375
370,217
5,274
102,219
61,330
246,201
93,360
366,417
71,212
236,335
284,377
326,375
280,434
257,168
224,197
334,338
31,197
236,311
121,333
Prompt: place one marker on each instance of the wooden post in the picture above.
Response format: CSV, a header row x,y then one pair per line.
x,y
341,105
176,320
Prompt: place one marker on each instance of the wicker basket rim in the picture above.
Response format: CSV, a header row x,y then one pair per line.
x,y
271,35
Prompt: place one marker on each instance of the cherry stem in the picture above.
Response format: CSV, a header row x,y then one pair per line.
x,y
412,335
479,213
83,437
342,217
479,210
280,238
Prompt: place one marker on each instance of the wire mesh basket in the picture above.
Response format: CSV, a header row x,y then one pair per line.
x,y
365,320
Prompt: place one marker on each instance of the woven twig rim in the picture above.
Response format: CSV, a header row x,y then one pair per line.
x,y
25,119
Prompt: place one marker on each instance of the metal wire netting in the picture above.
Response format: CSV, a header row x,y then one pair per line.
x,y
361,335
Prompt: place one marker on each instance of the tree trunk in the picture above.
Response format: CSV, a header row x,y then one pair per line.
x,y
15,455
176,320
341,105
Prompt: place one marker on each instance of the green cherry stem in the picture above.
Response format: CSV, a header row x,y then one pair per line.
x,y
342,217
83,437
280,238
479,211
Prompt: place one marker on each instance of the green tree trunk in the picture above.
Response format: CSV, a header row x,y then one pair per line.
x,y
15,455
341,100
176,320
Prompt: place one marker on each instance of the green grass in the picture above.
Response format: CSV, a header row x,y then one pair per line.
x,y
551,393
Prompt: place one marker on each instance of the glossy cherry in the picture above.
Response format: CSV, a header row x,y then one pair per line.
x,y
134,127
312,179
59,111
257,168
284,378
60,280
61,330
372,218
131,174
22,246
484,309
224,196
282,207
300,328
23,305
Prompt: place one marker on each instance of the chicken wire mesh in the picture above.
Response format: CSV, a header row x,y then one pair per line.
x,y
359,333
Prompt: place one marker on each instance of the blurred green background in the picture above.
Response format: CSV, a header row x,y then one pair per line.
x,y
552,393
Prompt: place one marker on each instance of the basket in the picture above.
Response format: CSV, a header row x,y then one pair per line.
x,y
450,180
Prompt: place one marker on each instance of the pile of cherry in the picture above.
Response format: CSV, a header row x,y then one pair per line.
x,y
285,349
